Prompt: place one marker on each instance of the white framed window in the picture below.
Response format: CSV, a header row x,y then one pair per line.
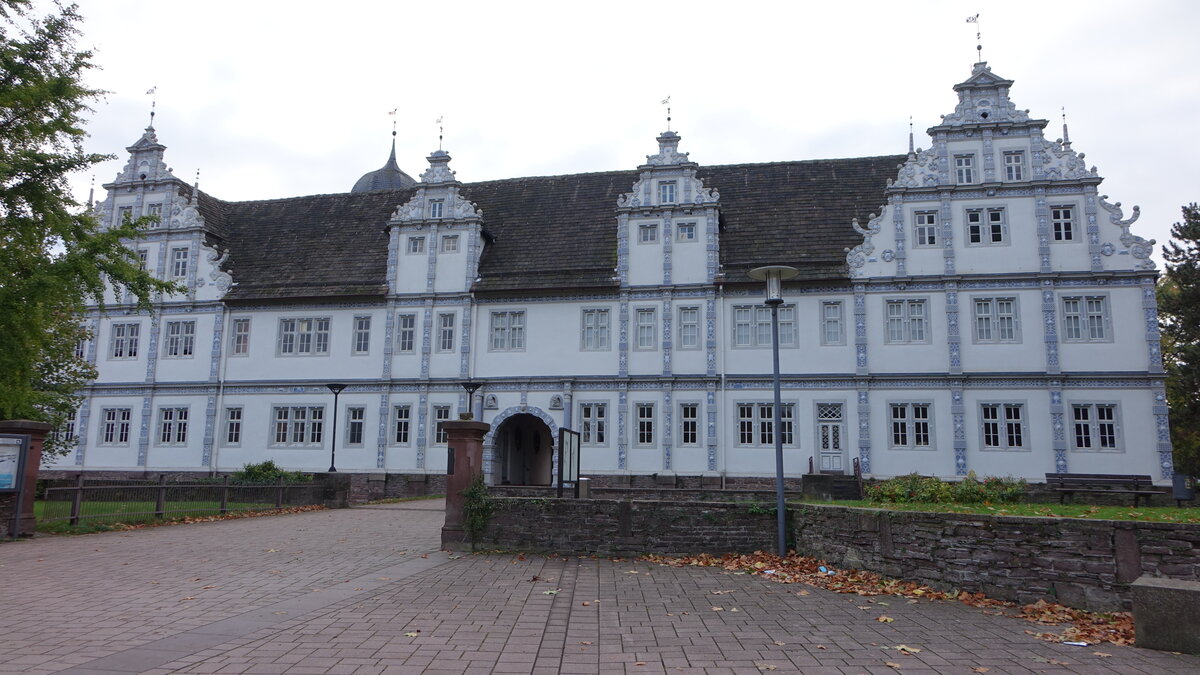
x,y
595,330
298,426
401,424
233,426
685,232
907,321
756,424
964,169
143,258
925,229
239,337
69,429
689,328
123,341
154,210
124,213
362,335
356,417
996,320
304,336
752,326
911,426
179,341
1003,426
1014,165
508,331
1086,319
416,245
179,263
666,192
833,327
115,427
172,426
593,423
81,348
445,332
647,233
436,206
1062,222
450,243
689,424
406,332
986,227
645,423
441,414
647,328
1095,426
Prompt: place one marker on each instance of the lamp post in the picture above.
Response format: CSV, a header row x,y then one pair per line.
x,y
774,275
471,386
336,389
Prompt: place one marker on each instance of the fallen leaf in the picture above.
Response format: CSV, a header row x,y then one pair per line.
x,y
272,550
412,633
585,643
802,592
205,588
764,666
190,597
820,646
884,619
905,649
778,643
892,664
720,592
735,609
554,592
585,603
718,609
640,663
1101,655
864,607
195,579
980,669
631,572
424,555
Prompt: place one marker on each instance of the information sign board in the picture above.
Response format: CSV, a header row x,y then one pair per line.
x,y
12,456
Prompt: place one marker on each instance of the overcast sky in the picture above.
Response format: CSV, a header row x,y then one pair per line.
x,y
278,99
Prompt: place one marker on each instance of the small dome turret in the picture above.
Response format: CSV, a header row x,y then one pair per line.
x,y
390,177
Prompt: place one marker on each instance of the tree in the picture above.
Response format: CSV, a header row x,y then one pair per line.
x,y
1179,312
55,259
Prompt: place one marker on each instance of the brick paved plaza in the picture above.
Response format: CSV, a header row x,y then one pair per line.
x,y
365,590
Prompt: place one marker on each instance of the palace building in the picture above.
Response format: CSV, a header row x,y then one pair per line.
x,y
974,306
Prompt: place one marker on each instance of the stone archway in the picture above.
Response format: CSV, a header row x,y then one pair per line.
x,y
521,447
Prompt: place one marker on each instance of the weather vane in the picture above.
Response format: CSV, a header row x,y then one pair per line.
x,y
151,92
440,130
393,115
978,39
667,102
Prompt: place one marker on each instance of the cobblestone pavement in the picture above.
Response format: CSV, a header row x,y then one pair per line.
x,y
364,590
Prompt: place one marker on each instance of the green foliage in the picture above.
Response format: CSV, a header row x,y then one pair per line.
x,y
54,258
268,472
477,509
1179,321
915,488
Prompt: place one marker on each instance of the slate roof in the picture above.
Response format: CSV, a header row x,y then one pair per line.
x,y
551,232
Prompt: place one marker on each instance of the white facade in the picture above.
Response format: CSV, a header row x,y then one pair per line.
x,y
998,316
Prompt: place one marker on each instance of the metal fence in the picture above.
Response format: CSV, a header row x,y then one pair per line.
x,y
145,500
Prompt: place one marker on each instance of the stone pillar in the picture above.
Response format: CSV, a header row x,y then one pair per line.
x,y
464,463
37,436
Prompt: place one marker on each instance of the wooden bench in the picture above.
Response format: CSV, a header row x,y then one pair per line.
x,y
1067,484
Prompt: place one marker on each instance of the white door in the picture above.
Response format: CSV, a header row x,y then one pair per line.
x,y
831,435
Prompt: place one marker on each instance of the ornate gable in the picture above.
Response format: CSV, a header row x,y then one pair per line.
x,y
670,166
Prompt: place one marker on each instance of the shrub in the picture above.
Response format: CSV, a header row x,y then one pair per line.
x,y
268,472
915,488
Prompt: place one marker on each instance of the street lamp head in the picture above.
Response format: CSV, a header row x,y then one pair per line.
x,y
336,388
471,386
774,275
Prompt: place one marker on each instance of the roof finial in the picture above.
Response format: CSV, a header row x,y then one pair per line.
x,y
196,186
441,129
92,192
1066,135
910,136
667,102
151,92
393,115
978,39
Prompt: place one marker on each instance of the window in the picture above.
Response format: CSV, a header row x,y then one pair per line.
x,y
1014,165
441,413
299,425
172,426
143,257
508,331
402,419
594,422
450,243
996,320
304,337
595,329
179,263
907,322
756,423
1003,426
67,432
752,326
689,424
416,245
645,424
154,210
123,342
647,233
362,334
1062,222
81,348
964,168
646,328
240,337
1085,319
911,426
689,327
355,421
986,226
666,192
406,332
445,332
833,331
233,426
925,233
685,232
124,213
1095,426
180,340
116,426
435,208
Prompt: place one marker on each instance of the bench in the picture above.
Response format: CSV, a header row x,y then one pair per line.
x,y
1067,484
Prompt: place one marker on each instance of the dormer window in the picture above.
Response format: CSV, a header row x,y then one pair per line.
x,y
435,208
666,192
1014,165
964,167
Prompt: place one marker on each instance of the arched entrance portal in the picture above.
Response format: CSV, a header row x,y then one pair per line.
x,y
524,451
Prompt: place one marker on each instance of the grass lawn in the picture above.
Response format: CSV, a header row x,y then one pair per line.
x,y
1161,514
397,500
96,516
